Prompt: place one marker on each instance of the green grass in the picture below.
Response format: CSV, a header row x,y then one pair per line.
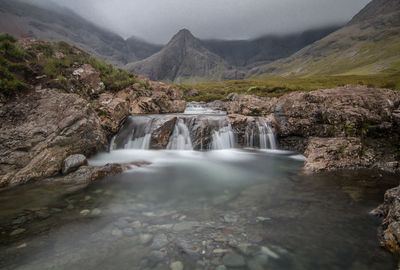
x,y
19,67
276,87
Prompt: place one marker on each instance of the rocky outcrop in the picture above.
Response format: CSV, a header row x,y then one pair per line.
x,y
72,163
351,126
389,231
40,130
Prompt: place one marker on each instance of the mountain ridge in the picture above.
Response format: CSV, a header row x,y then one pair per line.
x,y
368,44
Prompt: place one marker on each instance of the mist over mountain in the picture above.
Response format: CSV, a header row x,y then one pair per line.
x,y
368,44
54,22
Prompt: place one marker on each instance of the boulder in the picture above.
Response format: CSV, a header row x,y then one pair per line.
x,y
39,130
72,163
90,78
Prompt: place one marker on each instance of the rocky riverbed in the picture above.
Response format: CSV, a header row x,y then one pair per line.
x,y
248,210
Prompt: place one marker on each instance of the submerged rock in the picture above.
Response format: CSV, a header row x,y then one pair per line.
x,y
233,260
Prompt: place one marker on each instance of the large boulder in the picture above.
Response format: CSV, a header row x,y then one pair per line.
x,y
38,131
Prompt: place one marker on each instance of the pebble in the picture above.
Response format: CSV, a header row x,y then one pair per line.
x,y
220,251
270,253
17,231
96,212
187,225
156,255
136,224
233,260
176,265
261,259
220,267
262,219
145,238
87,198
116,232
85,212
24,245
128,232
159,241
230,218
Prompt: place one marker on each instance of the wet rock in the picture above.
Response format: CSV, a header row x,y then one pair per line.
x,y
50,126
157,255
145,238
187,225
17,231
95,212
230,218
233,260
85,212
72,163
266,251
159,241
116,232
176,265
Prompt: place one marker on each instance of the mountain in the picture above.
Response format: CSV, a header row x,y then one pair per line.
x,y
22,19
183,59
368,44
265,49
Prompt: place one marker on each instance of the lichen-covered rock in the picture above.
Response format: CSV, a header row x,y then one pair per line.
x,y
389,231
38,131
72,163
90,78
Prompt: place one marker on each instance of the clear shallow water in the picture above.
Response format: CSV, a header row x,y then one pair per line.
x,y
196,207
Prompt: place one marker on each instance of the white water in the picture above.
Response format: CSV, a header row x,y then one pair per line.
x,y
198,108
224,138
260,135
180,138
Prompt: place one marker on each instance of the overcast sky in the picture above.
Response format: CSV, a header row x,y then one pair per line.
x,y
158,20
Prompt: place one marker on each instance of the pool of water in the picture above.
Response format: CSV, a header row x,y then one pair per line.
x,y
245,209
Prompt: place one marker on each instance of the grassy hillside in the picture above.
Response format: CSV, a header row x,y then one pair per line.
x,y
369,44
24,64
278,86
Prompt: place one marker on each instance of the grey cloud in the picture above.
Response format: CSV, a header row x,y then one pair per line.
x,y
158,20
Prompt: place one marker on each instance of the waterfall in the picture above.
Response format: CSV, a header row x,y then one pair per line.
x,y
180,138
197,108
260,134
224,138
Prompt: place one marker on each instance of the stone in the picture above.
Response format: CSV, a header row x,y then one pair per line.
x,y
17,231
176,265
136,224
145,238
157,255
230,218
269,252
233,260
221,251
187,225
117,232
262,219
159,241
72,163
221,267
128,231
95,212
85,212
51,126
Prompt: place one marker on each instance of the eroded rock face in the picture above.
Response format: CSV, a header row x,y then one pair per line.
x,y
40,130
389,231
356,120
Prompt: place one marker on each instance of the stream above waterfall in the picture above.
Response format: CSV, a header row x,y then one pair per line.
x,y
213,195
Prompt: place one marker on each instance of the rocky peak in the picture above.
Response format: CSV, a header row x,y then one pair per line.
x,y
183,39
376,8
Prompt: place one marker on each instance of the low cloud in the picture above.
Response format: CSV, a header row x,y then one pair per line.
x,y
158,20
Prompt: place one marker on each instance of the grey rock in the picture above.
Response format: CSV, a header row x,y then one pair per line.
x,y
220,267
17,231
145,238
157,255
187,225
72,163
269,252
176,265
233,260
159,241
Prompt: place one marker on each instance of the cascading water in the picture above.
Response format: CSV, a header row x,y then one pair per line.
x,y
188,131
180,138
260,134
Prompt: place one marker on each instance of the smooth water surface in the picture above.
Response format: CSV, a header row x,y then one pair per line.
x,y
251,209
